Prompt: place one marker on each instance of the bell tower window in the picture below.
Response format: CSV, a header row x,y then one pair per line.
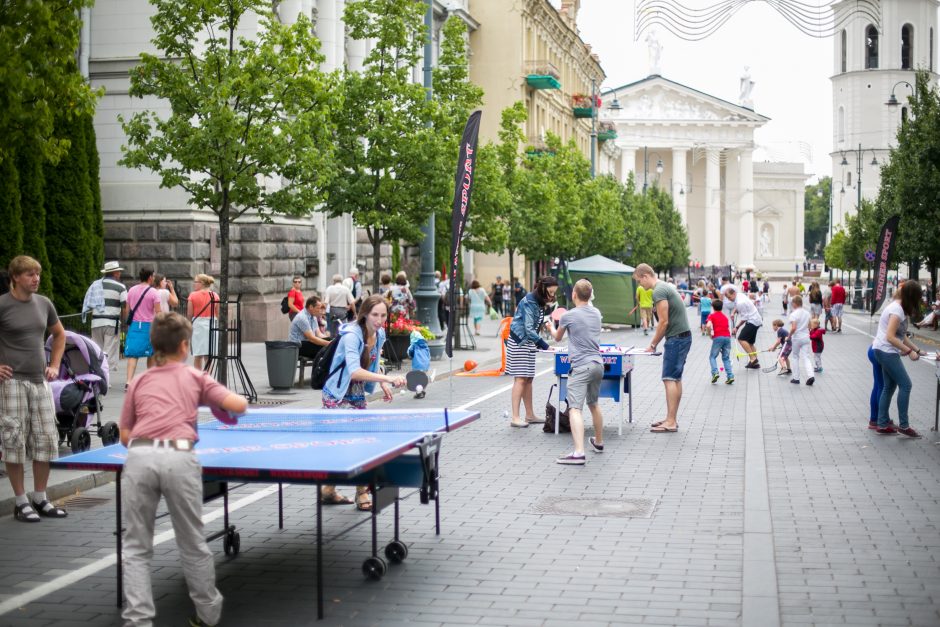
x,y
907,46
871,48
844,38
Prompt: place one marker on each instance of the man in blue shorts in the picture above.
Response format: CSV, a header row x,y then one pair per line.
x,y
674,326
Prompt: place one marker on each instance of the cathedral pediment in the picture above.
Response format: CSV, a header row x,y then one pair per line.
x,y
657,98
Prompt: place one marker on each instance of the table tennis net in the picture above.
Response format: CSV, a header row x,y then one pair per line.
x,y
333,421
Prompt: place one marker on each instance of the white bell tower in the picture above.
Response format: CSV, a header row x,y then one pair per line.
x,y
873,57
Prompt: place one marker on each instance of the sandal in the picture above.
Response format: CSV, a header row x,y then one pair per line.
x,y
47,509
364,502
26,513
335,498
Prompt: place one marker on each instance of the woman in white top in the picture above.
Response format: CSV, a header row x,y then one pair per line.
x,y
164,288
891,343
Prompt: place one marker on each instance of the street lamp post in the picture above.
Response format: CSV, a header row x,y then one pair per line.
x,y
857,297
893,100
593,126
426,295
646,166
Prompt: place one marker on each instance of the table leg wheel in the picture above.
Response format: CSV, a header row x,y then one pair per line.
x,y
231,543
396,551
374,568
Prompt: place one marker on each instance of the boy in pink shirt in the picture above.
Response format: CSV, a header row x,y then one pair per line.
x,y
158,426
718,327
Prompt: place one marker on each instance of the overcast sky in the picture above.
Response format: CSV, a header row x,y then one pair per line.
x,y
791,71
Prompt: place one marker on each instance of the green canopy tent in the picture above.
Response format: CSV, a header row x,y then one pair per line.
x,y
614,287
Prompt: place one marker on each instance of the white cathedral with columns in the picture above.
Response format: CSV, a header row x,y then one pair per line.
x,y
701,149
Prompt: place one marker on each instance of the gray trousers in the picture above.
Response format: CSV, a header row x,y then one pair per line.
x,y
107,339
150,472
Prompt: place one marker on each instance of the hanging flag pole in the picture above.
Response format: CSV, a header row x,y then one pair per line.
x,y
886,241
463,185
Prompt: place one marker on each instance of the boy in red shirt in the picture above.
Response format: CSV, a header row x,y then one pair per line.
x,y
158,426
718,327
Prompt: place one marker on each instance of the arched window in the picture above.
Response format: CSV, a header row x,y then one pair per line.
x,y
848,179
907,47
871,48
903,115
841,124
844,37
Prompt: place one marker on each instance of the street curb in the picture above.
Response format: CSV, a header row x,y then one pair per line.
x,y
64,489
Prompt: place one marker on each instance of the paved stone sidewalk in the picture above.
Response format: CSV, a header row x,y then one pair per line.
x,y
773,504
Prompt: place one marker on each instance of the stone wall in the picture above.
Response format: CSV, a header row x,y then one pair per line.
x,y
263,260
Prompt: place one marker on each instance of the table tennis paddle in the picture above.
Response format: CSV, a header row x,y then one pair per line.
x,y
224,416
558,313
417,380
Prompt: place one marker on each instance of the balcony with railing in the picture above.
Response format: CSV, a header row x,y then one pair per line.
x,y
536,146
542,75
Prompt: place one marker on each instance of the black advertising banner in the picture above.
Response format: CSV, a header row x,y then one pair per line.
x,y
882,256
463,184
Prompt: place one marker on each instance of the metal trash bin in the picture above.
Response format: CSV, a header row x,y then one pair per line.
x,y
282,361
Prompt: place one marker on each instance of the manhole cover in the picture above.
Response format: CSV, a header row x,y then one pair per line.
x,y
80,501
269,402
610,508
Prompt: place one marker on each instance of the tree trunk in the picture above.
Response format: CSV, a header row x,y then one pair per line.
x,y
221,370
933,281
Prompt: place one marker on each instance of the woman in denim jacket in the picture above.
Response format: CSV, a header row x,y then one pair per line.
x,y
353,375
522,346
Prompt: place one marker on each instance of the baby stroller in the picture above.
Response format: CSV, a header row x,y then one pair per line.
x,y
77,392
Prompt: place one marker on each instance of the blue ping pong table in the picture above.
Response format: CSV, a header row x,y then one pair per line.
x,y
385,449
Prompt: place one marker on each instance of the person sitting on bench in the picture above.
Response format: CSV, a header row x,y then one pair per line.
x,y
306,329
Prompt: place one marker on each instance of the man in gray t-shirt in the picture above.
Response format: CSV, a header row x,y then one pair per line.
x,y
27,412
583,324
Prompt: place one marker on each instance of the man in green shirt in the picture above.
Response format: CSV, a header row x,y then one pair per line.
x,y
644,300
674,326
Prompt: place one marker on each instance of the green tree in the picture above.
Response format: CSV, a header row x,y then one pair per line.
x,y
910,180
70,230
675,251
603,219
242,111
29,165
643,234
816,217
11,215
386,149
38,40
834,253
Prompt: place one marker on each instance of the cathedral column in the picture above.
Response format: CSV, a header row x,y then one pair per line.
x,y
712,207
731,216
680,194
627,164
746,224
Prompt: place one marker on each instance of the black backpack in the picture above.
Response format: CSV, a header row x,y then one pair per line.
x,y
285,308
320,373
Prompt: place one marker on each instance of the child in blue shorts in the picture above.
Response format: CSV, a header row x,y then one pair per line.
x,y
704,310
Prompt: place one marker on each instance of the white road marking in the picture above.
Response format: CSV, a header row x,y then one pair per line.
x,y
109,560
500,391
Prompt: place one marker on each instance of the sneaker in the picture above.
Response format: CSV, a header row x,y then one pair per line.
x,y
817,369
571,460
795,381
889,430
811,381
751,365
597,448
909,432
729,380
195,621
715,377
873,424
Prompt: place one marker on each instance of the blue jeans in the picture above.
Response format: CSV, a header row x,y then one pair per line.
x,y
674,354
876,388
895,377
721,345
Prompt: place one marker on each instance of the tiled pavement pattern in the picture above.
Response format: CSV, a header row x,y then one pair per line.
x,y
850,537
